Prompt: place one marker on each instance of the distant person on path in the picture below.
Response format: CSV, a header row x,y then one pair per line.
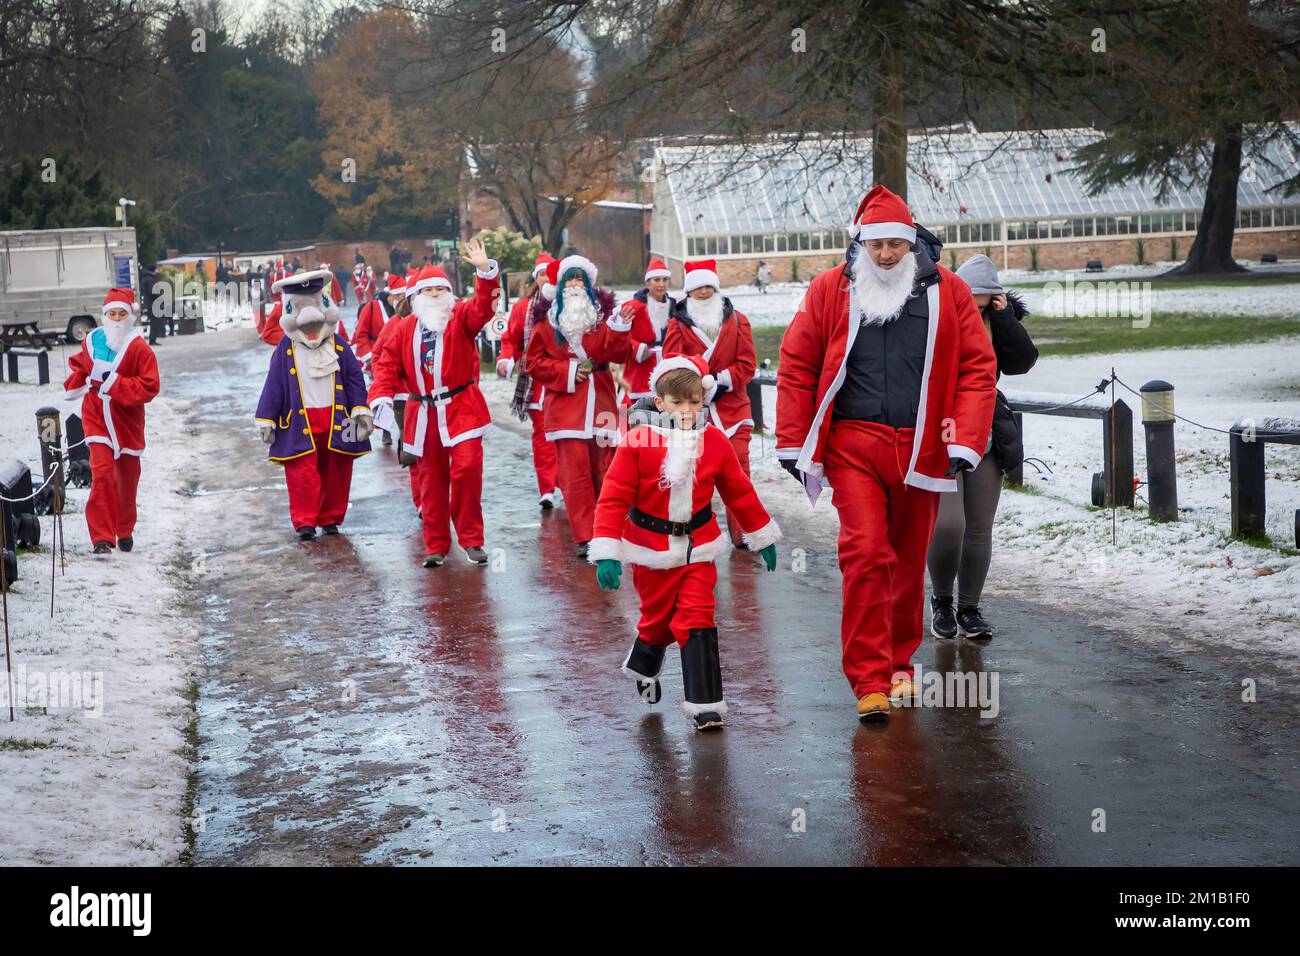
x,y
962,547
763,277
885,392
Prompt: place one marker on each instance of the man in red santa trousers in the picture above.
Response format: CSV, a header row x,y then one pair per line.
x,y
648,310
885,391
575,338
705,323
115,374
529,395
432,355
656,512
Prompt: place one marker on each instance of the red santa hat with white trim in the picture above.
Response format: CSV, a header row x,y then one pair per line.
x,y
700,273
541,263
431,277
883,215
695,363
396,284
577,262
657,270
119,299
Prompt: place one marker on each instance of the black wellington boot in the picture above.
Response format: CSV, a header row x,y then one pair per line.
x,y
644,664
702,679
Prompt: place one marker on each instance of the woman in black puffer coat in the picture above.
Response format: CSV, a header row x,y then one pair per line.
x,y
962,546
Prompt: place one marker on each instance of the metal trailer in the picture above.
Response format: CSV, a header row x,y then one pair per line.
x,y
58,277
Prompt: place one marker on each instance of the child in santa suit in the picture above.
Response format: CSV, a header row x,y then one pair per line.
x,y
656,513
529,395
705,323
575,338
432,355
649,311
313,410
115,374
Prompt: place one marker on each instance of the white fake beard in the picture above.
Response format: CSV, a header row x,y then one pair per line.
x,y
683,451
579,316
115,333
707,314
658,313
433,311
882,292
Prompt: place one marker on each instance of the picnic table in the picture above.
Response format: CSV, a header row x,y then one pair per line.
x,y
27,335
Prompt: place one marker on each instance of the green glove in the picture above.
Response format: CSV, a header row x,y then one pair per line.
x,y
608,571
769,556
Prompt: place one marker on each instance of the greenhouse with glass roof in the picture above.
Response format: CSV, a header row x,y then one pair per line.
x,y
1012,196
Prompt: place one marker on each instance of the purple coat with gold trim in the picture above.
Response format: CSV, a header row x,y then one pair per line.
x,y
281,404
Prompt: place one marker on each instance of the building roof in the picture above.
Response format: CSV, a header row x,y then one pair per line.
x,y
952,177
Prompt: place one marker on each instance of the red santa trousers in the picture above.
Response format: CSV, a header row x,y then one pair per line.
x,y
674,601
451,492
110,509
885,529
740,443
543,454
319,482
581,464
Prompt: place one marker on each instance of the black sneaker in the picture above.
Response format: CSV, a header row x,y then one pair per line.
x,y
547,501
103,547
476,555
943,622
434,560
972,624
708,721
125,544
330,529
306,534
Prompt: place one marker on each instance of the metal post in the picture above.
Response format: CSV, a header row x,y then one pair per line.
x,y
1246,477
1158,423
1117,441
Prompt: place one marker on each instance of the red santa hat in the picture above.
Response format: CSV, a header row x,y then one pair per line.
x,y
119,299
883,215
577,262
695,363
408,284
431,277
541,263
396,284
700,273
657,270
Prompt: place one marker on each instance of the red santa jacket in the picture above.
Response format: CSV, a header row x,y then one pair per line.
x,y
639,478
647,341
955,408
271,333
114,392
730,356
578,410
512,348
397,368
371,320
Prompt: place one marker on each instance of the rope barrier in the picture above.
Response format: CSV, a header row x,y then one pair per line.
x,y
1181,418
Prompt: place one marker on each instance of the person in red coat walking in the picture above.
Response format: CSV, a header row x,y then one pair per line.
x,y
373,316
884,392
656,513
432,355
706,323
649,311
529,395
115,374
575,338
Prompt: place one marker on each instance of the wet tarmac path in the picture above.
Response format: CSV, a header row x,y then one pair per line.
x,y
357,708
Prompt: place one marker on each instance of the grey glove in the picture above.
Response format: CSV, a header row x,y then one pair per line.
x,y
363,424
267,433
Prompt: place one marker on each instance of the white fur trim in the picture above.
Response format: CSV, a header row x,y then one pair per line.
x,y
578,262
699,278
670,364
675,556
926,483
492,271
694,710
770,533
913,477
961,451
509,364
604,549
540,267
787,454
618,326
128,309
886,230
435,282
636,676
76,393
658,274
573,375
725,378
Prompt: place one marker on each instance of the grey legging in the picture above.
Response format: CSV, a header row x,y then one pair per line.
x,y
962,545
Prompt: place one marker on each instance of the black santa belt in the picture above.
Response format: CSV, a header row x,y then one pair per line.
x,y
443,397
677,529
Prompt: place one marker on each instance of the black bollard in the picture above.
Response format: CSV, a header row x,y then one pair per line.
x,y
1246,478
1158,423
49,432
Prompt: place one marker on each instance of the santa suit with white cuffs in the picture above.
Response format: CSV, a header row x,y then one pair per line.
x,y
729,350
655,513
649,323
879,408
446,415
530,394
115,374
371,319
581,418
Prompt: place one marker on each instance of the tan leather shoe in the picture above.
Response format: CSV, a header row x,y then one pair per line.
x,y
903,691
873,707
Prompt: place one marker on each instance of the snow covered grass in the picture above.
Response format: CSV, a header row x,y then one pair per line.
x,y
108,789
